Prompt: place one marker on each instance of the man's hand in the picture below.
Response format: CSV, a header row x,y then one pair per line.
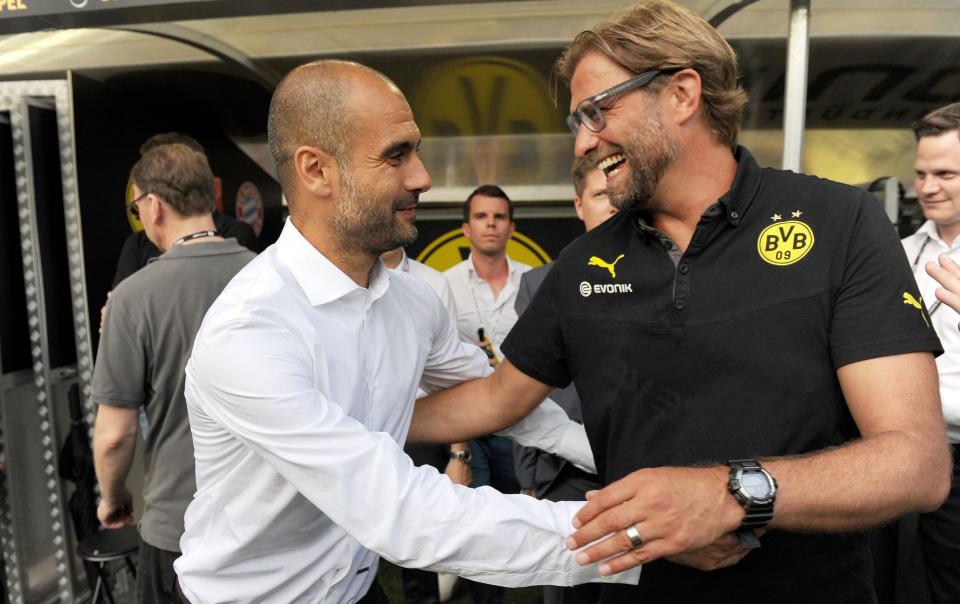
x,y
725,551
487,348
459,472
116,512
947,274
677,511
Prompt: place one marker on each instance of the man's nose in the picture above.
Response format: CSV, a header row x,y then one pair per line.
x,y
418,179
928,184
585,142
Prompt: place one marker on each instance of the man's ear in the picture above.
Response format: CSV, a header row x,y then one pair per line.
x,y
578,206
316,170
465,228
155,208
686,95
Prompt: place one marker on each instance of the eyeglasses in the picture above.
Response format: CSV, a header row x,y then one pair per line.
x,y
590,113
132,205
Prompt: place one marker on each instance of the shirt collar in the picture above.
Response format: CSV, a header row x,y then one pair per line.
x,y
472,271
746,184
404,265
928,230
321,280
734,203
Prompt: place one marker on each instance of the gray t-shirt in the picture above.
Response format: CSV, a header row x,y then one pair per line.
x,y
152,319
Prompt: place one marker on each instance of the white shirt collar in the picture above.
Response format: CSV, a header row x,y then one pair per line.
x,y
929,230
472,270
404,265
319,278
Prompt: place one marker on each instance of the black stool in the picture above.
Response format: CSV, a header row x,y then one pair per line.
x,y
105,546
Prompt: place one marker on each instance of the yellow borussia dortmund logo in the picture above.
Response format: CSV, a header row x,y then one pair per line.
x,y
785,242
916,303
610,266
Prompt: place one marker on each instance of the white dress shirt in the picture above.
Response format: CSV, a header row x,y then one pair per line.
x,y
926,246
300,385
476,305
433,278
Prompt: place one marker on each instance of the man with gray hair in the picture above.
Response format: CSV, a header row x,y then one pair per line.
x,y
148,332
937,182
302,382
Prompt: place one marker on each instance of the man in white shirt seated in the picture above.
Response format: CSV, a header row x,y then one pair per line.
x,y
303,376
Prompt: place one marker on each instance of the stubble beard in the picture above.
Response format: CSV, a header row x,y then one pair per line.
x,y
649,153
369,226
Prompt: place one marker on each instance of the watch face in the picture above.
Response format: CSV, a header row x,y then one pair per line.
x,y
755,484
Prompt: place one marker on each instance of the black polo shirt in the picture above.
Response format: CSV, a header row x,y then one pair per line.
x,y
729,351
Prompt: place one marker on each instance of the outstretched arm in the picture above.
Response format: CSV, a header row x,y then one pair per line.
x,y
411,515
477,407
896,405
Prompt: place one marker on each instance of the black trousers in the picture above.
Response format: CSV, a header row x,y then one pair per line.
x,y
420,586
155,576
939,534
375,595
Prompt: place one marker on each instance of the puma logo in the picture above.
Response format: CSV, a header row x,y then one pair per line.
x,y
610,266
918,304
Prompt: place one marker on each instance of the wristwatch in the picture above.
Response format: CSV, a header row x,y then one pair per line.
x,y
462,455
756,490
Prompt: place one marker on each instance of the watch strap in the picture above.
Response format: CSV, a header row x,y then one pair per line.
x,y
747,538
758,515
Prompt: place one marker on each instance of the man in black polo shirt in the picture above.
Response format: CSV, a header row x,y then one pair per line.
x,y
728,313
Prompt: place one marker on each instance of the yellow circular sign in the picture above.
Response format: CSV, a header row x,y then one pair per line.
x,y
135,225
786,242
484,95
444,251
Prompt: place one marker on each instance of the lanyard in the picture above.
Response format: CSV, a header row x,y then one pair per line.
x,y
916,263
192,236
481,316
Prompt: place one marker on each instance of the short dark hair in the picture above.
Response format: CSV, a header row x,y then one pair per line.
x,y
578,173
171,138
311,106
487,191
179,175
938,121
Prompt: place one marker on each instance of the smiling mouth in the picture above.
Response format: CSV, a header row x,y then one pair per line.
x,y
406,208
612,164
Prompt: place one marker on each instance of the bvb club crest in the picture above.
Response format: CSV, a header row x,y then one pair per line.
x,y
785,241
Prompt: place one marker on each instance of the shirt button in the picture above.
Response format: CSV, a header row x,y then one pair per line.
x,y
680,304
734,215
684,268
667,244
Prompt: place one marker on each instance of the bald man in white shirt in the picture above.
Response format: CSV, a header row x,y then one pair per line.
x,y
302,381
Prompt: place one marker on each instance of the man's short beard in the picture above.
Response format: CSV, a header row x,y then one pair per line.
x,y
366,225
649,153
